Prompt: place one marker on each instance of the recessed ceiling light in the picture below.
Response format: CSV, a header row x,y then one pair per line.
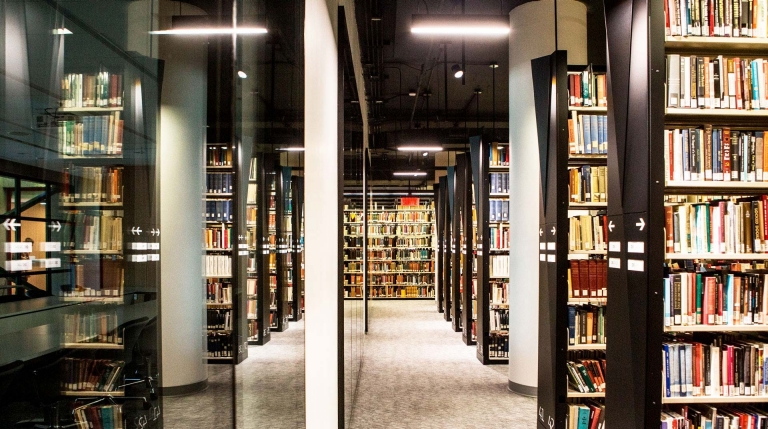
x,y
412,93
460,25
242,74
290,149
420,148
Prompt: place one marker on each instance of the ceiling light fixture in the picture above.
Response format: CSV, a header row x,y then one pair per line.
x,y
460,25
409,173
290,149
242,74
212,31
412,93
420,148
457,71
61,31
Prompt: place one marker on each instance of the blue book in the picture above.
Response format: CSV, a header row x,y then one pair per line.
x,y
586,138
689,370
604,129
595,132
667,382
572,324
107,418
583,417
755,86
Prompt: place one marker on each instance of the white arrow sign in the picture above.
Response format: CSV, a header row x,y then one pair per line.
x,y
541,232
611,226
641,224
11,224
553,230
55,226
136,230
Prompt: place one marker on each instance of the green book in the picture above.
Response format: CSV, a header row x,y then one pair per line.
x,y
698,298
585,377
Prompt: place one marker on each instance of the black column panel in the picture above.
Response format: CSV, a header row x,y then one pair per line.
x,y
551,73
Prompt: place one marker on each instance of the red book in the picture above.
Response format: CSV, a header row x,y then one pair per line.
x,y
709,300
726,154
765,216
671,146
720,302
577,88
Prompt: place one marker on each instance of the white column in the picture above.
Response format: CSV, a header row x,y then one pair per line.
x,y
182,141
322,215
532,36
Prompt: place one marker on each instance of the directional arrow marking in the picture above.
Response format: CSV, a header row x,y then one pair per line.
x,y
553,230
611,226
541,232
11,224
55,226
641,224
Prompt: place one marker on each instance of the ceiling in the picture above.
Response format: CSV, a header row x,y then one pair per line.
x,y
405,81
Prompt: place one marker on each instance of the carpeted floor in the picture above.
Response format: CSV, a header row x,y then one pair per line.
x,y
417,373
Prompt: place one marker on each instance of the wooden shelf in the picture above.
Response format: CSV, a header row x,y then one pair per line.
x,y
717,328
729,44
731,113
718,256
93,346
574,394
593,109
577,206
498,195
91,204
92,252
592,301
587,347
89,109
715,400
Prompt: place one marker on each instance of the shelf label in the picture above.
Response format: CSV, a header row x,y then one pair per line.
x,y
154,257
18,247
614,263
614,246
153,246
551,245
47,263
139,246
243,253
635,265
18,265
139,258
542,246
242,246
550,258
50,246
542,257
636,247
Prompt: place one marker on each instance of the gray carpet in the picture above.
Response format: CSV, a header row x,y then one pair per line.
x,y
417,373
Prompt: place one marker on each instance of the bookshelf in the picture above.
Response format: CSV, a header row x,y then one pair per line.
x,y
446,278
400,251
441,246
456,201
276,237
297,248
219,249
257,283
489,167
467,221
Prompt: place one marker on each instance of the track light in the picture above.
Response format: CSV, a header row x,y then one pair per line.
x,y
457,71
460,25
409,173
420,148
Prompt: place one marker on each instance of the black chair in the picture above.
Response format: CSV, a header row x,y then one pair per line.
x,y
146,349
40,383
130,333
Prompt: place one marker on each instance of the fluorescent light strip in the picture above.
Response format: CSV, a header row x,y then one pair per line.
x,y
61,31
420,148
409,173
290,149
461,31
211,31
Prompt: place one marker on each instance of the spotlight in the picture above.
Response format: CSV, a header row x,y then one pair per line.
x,y
457,71
242,74
412,93
425,154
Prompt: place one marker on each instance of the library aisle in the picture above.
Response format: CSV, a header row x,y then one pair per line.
x,y
417,373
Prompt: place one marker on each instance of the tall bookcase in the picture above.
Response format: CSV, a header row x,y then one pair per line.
x,y
492,253
221,246
258,292
297,248
652,262
400,254
467,230
277,240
